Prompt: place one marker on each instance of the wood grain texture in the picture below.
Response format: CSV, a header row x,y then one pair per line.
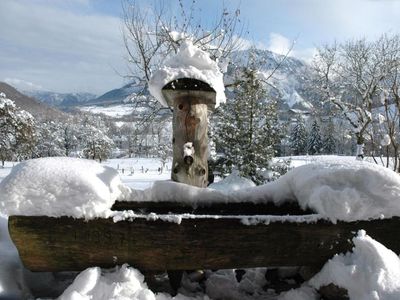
x,y
212,208
60,244
191,101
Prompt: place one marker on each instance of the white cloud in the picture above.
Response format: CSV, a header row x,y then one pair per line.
x,y
282,45
22,84
62,46
244,44
278,43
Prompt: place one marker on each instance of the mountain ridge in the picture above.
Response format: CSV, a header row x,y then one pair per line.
x,y
36,108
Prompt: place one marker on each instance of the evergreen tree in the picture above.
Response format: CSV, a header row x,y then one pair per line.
x,y
329,141
298,137
247,128
314,139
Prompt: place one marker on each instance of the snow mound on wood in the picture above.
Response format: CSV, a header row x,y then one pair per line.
x,y
234,182
60,187
370,272
189,62
337,190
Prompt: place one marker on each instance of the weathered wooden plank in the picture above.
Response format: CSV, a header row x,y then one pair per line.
x,y
190,99
55,244
209,208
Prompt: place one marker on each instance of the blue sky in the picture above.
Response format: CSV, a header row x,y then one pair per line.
x,y
76,45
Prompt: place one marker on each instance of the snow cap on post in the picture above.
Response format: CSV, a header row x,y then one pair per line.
x,y
192,69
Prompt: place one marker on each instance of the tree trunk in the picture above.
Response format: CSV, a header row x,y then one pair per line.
x,y
190,99
360,146
190,130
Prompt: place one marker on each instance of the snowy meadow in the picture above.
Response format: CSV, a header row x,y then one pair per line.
x,y
370,271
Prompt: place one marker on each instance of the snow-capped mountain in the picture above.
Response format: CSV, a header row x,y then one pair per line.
x,y
61,99
119,95
289,79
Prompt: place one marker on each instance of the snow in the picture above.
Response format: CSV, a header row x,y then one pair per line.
x,y
337,188
370,272
189,62
11,269
112,111
139,173
385,140
60,187
121,283
188,149
233,182
303,293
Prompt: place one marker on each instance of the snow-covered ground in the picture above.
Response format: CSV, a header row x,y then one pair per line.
x,y
371,271
112,110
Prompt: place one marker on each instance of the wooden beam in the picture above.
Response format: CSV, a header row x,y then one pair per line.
x,y
213,208
61,244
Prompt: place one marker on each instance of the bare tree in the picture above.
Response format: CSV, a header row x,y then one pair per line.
x,y
350,76
388,120
152,33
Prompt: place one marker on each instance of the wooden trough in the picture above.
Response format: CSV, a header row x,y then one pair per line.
x,y
215,239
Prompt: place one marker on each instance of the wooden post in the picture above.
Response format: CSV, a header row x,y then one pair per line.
x,y
191,100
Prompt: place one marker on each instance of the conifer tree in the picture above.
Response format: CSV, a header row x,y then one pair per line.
x,y
298,137
314,139
247,128
329,141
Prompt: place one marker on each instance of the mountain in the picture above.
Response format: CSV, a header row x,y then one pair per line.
x,y
119,95
61,99
290,81
37,109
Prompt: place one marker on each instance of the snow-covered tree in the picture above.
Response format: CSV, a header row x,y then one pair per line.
x,y
298,137
97,145
153,32
69,136
247,130
49,140
314,144
17,133
349,75
329,140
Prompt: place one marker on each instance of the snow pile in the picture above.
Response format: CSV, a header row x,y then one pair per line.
x,y
337,190
223,284
303,293
371,272
12,283
124,283
189,62
234,182
60,187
